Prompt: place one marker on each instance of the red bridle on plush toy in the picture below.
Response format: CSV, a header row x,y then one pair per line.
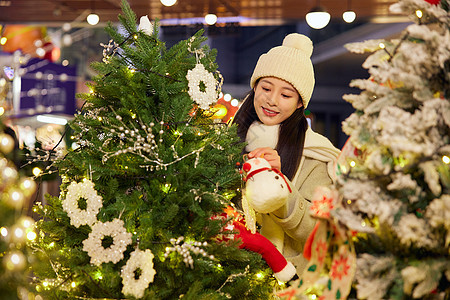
x,y
246,167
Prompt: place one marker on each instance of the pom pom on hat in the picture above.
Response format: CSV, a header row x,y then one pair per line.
x,y
300,42
291,62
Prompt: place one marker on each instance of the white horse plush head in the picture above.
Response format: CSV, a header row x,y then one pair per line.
x,y
266,189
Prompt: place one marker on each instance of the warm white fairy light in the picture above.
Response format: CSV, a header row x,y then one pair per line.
x,y
36,171
4,231
446,159
31,236
227,97
419,13
234,102
186,248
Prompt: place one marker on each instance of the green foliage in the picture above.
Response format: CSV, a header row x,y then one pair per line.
x,y
140,99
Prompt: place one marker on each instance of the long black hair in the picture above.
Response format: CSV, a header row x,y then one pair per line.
x,y
291,137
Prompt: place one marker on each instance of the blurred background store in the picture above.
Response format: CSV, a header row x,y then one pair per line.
x,y
46,48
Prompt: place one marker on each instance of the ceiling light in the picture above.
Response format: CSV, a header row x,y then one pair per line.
x,y
51,120
168,2
210,19
349,16
93,19
318,18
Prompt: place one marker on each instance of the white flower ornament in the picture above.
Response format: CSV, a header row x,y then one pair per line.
x,y
84,190
114,253
145,25
142,260
196,76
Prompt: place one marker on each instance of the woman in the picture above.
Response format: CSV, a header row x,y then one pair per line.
x,y
272,122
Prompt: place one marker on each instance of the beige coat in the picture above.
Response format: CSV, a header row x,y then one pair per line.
x,y
289,227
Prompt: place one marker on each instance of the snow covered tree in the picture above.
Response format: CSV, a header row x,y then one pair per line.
x,y
390,205
136,217
395,178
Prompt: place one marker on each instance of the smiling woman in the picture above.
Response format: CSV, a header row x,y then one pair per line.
x,y
275,100
272,122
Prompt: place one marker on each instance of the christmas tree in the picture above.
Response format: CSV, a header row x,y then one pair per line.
x,y
15,227
141,197
395,180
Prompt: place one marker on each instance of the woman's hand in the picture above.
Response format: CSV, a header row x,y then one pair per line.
x,y
268,154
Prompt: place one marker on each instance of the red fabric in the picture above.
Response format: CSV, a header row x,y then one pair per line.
x,y
309,241
258,243
433,1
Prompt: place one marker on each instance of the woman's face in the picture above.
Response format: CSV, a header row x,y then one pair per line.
x,y
275,100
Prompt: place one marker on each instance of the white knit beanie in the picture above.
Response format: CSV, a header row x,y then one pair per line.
x,y
291,62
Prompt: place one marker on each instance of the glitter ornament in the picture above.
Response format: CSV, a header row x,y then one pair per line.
x,y
114,253
6,143
196,76
186,248
84,190
139,260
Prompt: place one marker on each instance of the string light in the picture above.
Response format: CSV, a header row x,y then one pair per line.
x,y
446,159
31,236
352,163
235,102
36,171
419,13
4,231
227,97
260,275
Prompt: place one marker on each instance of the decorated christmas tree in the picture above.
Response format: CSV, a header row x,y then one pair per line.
x,y
15,227
141,209
396,182
386,221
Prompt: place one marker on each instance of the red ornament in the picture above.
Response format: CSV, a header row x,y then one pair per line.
x,y
434,2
